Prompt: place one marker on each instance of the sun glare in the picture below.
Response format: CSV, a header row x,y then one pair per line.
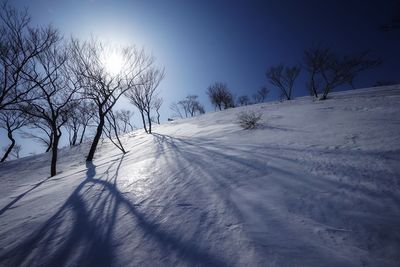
x,y
113,63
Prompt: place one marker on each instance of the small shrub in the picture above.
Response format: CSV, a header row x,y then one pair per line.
x,y
249,119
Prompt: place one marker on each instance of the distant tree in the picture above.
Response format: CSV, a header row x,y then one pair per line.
x,y
328,71
158,101
19,45
73,124
176,109
143,94
191,106
261,95
243,100
11,120
188,107
16,151
220,96
54,92
38,124
86,111
79,120
99,84
283,78
124,116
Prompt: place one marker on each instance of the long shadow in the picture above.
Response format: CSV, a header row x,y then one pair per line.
x,y
205,153
87,226
276,152
17,198
204,156
89,217
37,249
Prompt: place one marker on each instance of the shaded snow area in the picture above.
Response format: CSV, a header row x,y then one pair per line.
x,y
317,184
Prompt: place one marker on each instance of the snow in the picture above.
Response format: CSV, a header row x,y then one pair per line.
x,y
317,184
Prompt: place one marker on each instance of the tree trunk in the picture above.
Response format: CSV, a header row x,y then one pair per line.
x,y
313,89
144,121
326,92
285,93
83,134
149,120
54,151
158,117
96,139
10,136
120,146
74,137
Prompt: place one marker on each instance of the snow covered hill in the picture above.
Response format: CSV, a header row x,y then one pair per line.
x,y
317,184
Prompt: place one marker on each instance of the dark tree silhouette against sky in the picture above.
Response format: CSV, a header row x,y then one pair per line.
x,y
201,42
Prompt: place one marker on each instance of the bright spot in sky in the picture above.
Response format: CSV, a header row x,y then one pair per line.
x,y
113,63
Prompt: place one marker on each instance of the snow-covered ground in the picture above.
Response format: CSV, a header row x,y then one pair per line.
x,y
317,184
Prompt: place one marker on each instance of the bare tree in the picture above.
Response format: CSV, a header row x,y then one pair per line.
x,y
175,108
261,95
328,71
112,129
16,151
54,92
11,121
158,101
220,96
19,45
188,107
102,86
38,124
79,120
124,116
243,100
143,94
191,106
283,78
86,110
73,123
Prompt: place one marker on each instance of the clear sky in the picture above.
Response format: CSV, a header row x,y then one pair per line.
x,y
200,42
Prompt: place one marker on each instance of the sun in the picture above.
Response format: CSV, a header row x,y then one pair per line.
x,y
113,63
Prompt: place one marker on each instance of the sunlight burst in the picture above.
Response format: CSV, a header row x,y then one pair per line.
x,y
113,63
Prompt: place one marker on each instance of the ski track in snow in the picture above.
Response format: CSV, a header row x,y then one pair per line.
x,y
317,184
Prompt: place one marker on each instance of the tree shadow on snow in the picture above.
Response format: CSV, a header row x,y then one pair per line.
x,y
20,196
82,231
325,202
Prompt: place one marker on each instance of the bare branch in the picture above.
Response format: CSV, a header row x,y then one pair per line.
x,y
102,86
283,78
220,96
328,71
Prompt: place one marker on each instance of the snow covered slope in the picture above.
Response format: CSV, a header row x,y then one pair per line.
x,y
318,184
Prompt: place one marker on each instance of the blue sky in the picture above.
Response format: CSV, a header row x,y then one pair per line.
x,y
200,42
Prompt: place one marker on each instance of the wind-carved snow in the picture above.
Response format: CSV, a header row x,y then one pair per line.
x,y
317,184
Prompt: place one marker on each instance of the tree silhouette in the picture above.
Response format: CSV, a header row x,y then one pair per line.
x,y
283,78
328,70
220,96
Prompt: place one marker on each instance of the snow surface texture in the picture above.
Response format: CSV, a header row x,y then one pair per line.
x,y
317,184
